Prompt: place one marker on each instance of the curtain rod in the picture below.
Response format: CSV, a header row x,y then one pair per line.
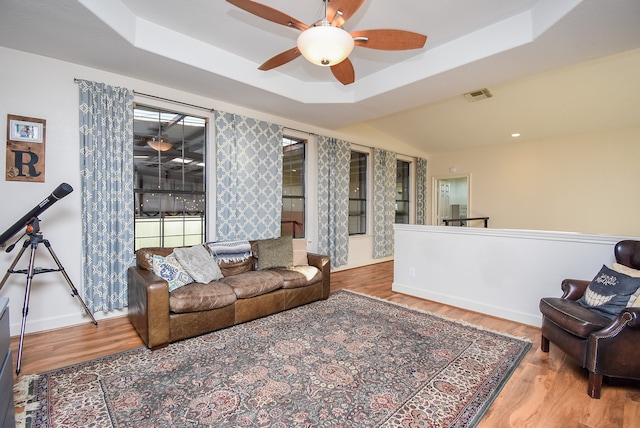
x,y
155,97
211,110
299,130
361,146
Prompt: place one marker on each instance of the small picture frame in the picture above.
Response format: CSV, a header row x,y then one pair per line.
x,y
25,129
26,148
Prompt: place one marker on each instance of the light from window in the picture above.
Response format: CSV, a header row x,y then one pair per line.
x,y
169,178
293,203
358,194
402,192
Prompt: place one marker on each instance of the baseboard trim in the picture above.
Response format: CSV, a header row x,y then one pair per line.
x,y
459,302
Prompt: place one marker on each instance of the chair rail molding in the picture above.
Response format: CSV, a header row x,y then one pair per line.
x,y
499,272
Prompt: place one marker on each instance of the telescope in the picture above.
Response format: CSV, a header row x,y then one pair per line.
x,y
31,222
60,192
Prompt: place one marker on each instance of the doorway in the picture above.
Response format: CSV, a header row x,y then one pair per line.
x,y
451,202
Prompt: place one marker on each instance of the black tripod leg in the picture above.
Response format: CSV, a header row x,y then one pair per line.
x,y
25,306
74,290
15,262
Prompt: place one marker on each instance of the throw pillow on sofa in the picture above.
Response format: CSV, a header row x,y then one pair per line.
x,y
631,272
609,293
169,269
277,252
300,252
198,263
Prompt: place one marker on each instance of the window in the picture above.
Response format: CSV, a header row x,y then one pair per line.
x,y
402,192
293,203
169,178
358,194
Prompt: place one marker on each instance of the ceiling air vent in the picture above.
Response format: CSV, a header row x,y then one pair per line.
x,y
480,94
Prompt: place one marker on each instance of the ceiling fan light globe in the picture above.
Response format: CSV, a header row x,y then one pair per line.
x,y
159,145
325,45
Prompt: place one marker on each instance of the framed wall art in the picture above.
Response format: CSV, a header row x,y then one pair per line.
x,y
26,139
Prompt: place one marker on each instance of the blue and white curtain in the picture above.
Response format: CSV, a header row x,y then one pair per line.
x,y
334,165
384,202
421,191
106,168
248,178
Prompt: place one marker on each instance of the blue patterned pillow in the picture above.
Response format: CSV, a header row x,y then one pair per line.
x,y
169,269
609,293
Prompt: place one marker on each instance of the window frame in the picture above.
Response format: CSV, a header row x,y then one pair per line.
x,y
288,141
187,192
410,202
364,186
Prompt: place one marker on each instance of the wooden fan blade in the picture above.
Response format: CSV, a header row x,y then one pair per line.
x,y
339,11
280,59
269,13
388,40
344,72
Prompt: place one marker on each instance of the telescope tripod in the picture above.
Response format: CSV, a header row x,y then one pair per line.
x,y
35,239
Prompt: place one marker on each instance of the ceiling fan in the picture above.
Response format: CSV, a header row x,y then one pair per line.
x,y
326,43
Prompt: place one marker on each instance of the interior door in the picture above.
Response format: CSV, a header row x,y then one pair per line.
x,y
452,200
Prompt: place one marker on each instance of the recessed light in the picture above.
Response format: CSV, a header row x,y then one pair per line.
x,y
514,135
182,160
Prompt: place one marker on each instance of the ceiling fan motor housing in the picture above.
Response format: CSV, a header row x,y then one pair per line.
x,y
325,45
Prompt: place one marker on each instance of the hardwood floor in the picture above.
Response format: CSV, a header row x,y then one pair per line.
x,y
546,390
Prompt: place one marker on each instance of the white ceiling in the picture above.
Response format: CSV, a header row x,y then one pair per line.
x,y
525,51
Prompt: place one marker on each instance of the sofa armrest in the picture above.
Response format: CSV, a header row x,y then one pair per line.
x,y
574,288
633,314
613,349
149,306
323,264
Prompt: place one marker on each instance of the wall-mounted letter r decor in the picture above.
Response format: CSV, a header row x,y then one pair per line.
x,y
25,148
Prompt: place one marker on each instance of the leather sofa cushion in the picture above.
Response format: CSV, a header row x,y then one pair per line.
x,y
236,268
144,256
254,283
299,276
572,317
197,297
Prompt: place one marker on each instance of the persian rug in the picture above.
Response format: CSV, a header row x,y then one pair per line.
x,y
349,361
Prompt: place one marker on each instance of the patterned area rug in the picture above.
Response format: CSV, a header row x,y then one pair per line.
x,y
349,361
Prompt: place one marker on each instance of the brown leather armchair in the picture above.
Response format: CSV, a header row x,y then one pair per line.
x,y
609,348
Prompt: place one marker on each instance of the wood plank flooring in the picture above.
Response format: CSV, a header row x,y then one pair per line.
x,y
546,390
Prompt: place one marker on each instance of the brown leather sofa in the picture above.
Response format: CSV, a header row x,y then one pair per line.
x,y
243,294
609,348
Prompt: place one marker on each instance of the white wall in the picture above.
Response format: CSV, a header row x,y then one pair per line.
x,y
503,273
580,183
40,87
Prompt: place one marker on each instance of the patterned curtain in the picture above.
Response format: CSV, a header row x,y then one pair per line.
x,y
421,191
384,202
106,168
248,178
334,165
